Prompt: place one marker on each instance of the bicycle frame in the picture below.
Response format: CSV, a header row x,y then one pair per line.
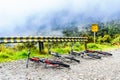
x,y
46,62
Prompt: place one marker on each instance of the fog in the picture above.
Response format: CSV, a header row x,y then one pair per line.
x,y
49,17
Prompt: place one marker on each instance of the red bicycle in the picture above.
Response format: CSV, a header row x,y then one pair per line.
x,y
53,63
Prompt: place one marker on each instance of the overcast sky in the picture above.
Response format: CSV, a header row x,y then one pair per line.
x,y
15,14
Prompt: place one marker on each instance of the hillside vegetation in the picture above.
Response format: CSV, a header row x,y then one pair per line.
x,y
107,37
108,32
20,51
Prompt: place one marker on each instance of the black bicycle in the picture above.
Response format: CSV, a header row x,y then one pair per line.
x,y
92,55
64,58
82,54
99,52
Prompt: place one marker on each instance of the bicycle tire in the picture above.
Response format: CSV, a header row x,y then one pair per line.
x,y
94,56
64,65
72,58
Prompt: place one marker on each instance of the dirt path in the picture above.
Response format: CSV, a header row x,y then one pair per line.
x,y
108,68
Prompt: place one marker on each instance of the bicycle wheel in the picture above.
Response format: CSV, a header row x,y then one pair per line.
x,y
64,65
93,55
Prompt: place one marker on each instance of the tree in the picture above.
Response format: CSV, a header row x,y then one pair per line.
x,y
70,31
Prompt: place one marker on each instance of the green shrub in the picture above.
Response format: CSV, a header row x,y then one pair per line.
x,y
116,40
2,48
93,46
4,55
19,47
9,51
106,38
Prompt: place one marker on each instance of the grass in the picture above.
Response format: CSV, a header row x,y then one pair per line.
x,y
8,54
96,46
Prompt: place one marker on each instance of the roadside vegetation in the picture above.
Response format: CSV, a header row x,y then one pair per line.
x,y
20,51
107,37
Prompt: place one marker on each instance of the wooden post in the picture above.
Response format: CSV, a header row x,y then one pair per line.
x,y
48,47
85,45
41,47
94,37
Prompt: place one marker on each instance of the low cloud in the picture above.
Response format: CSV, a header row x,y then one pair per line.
x,y
42,17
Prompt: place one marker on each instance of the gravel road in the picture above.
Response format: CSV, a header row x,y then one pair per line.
x,y
107,68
